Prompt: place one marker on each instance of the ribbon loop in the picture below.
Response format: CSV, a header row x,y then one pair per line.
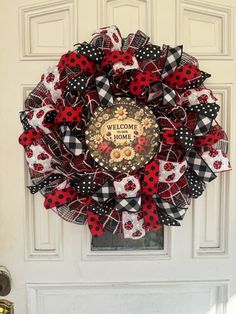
x,y
104,91
70,141
200,166
169,209
172,60
130,204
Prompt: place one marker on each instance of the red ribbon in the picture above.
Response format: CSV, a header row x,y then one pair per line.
x,y
69,114
150,187
28,137
72,59
182,76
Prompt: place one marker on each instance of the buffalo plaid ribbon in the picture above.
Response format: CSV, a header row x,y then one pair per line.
x,y
169,209
70,141
187,138
107,191
104,91
130,204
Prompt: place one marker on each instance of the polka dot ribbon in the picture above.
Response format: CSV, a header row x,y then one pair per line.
x,y
58,197
150,187
142,81
45,182
28,137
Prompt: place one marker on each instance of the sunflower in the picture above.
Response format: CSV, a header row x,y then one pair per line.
x,y
128,153
146,123
116,155
121,113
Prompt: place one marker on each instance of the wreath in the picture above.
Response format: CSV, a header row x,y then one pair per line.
x,y
121,134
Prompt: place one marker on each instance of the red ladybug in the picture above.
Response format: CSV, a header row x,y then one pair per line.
x,y
203,99
217,164
38,167
142,140
128,225
136,233
170,177
169,166
213,153
104,148
29,152
139,149
50,77
43,156
40,114
187,93
130,186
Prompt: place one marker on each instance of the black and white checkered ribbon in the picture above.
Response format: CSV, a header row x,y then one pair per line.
x,y
169,209
45,182
169,96
107,192
130,204
199,166
195,161
104,91
172,61
70,141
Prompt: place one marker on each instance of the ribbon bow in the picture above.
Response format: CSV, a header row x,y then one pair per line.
x,y
169,213
107,192
145,79
206,114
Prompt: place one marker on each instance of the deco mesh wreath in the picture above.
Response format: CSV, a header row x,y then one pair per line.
x,y
121,134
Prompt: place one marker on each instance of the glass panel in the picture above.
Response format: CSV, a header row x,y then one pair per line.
x,y
116,242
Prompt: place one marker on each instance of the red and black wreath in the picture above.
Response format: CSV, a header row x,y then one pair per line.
x,y
121,134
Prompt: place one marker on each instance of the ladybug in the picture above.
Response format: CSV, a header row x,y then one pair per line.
x,y
40,114
38,167
43,156
142,140
128,225
136,233
139,149
50,77
170,177
104,149
203,99
169,166
130,186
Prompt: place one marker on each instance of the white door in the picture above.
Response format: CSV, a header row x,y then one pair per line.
x,y
55,267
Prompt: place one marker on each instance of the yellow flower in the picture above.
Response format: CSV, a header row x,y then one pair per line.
x,y
98,125
105,116
99,119
121,113
146,123
116,155
97,138
128,153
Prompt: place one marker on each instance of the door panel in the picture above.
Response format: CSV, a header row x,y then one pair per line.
x,y
56,267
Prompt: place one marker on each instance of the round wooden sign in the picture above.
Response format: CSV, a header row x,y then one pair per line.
x,y
123,137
